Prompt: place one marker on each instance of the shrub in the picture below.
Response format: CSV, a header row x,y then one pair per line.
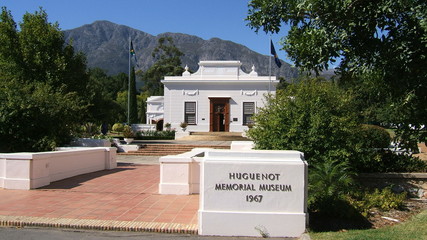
x,y
375,158
118,127
373,136
128,132
89,130
313,117
387,161
328,183
151,135
385,199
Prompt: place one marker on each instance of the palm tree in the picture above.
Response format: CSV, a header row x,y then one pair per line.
x,y
328,181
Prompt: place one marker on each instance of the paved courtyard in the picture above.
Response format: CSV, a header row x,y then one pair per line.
x,y
125,198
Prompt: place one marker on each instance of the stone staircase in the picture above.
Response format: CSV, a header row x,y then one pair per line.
x,y
214,136
186,144
168,149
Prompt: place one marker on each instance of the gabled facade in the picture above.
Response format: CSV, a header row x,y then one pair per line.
x,y
155,109
219,97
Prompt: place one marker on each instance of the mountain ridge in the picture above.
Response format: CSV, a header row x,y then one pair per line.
x,y
106,46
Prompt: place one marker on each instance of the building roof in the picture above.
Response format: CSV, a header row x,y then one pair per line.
x,y
218,71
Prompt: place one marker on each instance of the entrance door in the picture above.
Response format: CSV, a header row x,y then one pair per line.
x,y
219,114
218,117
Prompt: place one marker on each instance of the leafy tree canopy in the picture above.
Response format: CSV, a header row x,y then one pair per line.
x,y
386,39
168,63
101,93
314,117
42,84
133,107
362,33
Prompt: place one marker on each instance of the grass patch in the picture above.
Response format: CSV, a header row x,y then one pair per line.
x,y
415,228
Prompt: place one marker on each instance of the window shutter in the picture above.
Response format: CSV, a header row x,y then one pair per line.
x,y
190,113
248,108
190,119
190,107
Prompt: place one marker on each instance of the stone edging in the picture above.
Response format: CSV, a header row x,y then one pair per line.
x,y
93,224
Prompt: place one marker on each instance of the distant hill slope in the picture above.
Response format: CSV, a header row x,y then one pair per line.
x,y
106,46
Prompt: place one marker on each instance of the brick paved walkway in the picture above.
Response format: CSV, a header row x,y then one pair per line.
x,y
126,196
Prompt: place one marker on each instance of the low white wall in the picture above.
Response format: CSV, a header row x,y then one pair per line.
x,y
143,127
181,134
90,142
34,170
180,174
253,193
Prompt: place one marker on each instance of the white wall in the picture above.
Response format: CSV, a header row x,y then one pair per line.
x,y
34,170
155,109
178,93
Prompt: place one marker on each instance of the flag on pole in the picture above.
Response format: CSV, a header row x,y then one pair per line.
x,y
132,53
273,52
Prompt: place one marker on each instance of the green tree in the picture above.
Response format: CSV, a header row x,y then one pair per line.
x,y
109,85
142,106
120,83
314,117
317,118
122,101
168,63
133,107
42,82
101,93
46,58
36,117
10,58
379,43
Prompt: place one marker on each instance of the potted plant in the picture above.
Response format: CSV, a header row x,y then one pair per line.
x,y
183,126
168,126
128,134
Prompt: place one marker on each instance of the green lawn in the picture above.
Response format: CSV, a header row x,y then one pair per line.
x,y
416,228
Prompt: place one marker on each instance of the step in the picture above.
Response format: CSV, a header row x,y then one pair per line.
x,y
166,149
217,133
214,136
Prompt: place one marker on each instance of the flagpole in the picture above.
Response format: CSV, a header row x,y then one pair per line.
x,y
269,70
129,83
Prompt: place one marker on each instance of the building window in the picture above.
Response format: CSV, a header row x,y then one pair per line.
x,y
248,112
190,113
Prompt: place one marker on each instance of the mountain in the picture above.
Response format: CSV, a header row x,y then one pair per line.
x,y
106,46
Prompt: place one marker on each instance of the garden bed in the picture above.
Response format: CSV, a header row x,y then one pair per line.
x,y
376,218
380,219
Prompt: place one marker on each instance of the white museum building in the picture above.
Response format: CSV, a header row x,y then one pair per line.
x,y
219,97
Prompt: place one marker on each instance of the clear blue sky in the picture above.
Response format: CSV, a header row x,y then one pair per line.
x,y
204,18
